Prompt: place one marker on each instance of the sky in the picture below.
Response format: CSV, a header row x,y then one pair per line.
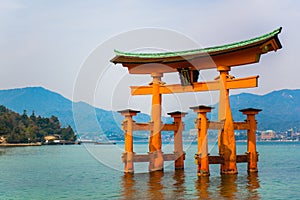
x,y
52,43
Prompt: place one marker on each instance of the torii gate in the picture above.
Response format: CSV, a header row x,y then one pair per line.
x,y
188,64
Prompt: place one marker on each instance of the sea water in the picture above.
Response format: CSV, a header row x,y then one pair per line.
x,y
77,172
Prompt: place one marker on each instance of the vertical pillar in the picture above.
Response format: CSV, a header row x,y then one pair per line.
x,y
155,143
227,145
178,147
201,157
251,141
128,146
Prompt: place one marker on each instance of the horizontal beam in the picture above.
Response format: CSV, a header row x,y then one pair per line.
x,y
146,157
247,82
149,127
237,83
170,127
220,160
173,127
220,125
241,126
141,158
215,160
242,158
142,126
215,125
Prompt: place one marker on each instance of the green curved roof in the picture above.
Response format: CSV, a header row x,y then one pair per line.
x,y
204,50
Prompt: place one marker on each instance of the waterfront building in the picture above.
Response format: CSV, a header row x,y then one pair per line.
x,y
268,135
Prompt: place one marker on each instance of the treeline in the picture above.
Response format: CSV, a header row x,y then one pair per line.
x,y
16,128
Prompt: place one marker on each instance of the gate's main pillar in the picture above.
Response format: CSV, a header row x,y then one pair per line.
x,y
155,144
227,145
251,142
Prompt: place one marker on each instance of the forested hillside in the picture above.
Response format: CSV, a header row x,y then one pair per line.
x,y
16,128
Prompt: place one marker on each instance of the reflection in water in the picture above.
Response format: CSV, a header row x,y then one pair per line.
x,y
2,151
253,185
180,185
202,186
128,185
143,185
155,185
228,186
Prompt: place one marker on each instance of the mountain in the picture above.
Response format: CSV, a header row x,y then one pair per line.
x,y
281,110
43,102
47,103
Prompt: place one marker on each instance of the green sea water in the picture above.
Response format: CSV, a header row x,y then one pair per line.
x,y
76,172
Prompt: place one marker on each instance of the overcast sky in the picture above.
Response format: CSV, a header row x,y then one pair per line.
x,y
48,43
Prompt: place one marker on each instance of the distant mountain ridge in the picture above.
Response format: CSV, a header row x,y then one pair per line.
x,y
46,103
43,102
281,110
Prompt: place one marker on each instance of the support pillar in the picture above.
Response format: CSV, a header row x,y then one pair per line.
x,y
227,145
251,141
155,143
128,146
178,146
201,158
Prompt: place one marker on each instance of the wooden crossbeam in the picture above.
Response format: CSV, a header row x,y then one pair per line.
x,y
247,82
169,127
141,158
241,126
220,160
149,126
173,127
242,158
220,125
141,126
215,160
215,125
146,157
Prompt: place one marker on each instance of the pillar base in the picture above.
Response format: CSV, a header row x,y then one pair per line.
x,y
179,162
156,162
252,162
252,170
128,171
229,171
203,165
203,173
127,158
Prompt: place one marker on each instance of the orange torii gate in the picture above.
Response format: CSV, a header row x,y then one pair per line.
x,y
188,64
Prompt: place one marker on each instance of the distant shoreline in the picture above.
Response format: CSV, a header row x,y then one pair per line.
x,y
21,144
135,142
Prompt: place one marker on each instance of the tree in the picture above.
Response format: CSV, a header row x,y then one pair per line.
x,y
16,128
68,134
32,116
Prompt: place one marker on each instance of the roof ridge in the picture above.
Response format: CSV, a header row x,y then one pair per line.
x,y
201,50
